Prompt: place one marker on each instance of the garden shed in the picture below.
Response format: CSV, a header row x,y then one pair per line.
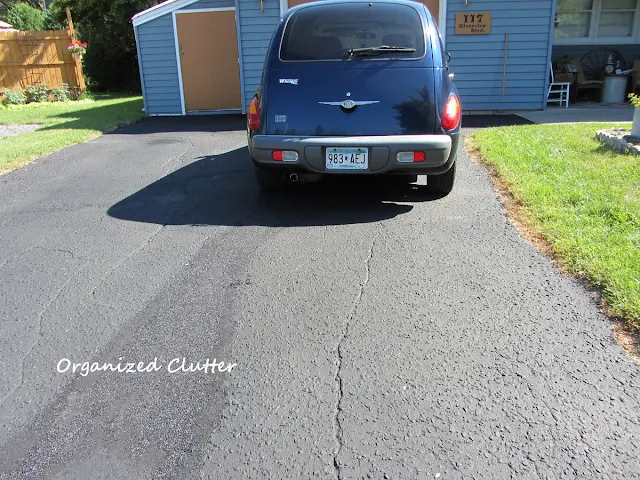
x,y
205,56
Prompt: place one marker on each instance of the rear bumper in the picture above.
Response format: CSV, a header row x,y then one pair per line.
x,y
440,151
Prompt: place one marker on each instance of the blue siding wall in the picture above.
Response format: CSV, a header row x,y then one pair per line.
x,y
159,67
256,28
158,60
478,60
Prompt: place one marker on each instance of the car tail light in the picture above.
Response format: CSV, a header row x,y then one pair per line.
x,y
411,157
284,156
253,116
451,116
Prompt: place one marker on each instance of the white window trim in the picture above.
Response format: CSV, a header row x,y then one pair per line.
x,y
159,10
592,39
204,10
178,61
442,21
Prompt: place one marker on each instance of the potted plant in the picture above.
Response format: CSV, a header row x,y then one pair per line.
x,y
563,69
635,127
77,48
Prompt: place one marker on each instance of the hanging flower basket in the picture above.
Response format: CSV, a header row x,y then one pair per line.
x,y
77,48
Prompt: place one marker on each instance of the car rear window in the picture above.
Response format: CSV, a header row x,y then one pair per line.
x,y
327,32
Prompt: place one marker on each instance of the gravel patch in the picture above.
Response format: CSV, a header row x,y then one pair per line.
x,y
13,130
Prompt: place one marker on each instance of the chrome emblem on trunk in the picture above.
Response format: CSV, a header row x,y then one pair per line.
x,y
349,104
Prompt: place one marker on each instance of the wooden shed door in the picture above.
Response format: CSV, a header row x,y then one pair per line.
x,y
209,60
432,5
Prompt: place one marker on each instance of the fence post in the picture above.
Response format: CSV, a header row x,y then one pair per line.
x,y
78,63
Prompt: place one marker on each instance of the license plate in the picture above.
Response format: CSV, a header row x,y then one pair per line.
x,y
347,158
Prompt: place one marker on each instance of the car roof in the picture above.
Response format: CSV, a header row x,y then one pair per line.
x,y
339,2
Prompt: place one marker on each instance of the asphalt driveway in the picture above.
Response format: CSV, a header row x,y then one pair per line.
x,y
377,332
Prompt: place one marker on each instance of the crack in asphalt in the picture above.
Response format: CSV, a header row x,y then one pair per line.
x,y
39,336
150,238
59,250
18,255
180,157
338,378
39,246
139,248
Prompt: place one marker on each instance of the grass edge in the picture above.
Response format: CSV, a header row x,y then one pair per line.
x,y
623,332
26,161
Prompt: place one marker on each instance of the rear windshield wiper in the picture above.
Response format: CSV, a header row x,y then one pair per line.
x,y
352,52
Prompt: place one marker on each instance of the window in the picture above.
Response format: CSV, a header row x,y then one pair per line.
x,y
573,18
326,32
616,18
597,21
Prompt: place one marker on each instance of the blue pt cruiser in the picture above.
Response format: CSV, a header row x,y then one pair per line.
x,y
358,88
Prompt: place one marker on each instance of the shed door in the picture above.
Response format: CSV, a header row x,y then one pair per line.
x,y
432,5
209,60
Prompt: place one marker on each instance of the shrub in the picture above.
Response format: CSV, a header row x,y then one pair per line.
x,y
24,17
111,62
50,23
76,94
60,94
38,93
14,98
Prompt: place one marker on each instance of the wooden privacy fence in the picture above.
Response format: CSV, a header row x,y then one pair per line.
x,y
33,58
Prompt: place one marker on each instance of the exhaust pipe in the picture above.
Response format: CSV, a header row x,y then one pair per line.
x,y
293,177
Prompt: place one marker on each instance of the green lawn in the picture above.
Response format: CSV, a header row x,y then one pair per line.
x,y
582,197
63,124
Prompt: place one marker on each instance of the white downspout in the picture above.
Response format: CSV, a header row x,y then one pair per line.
x,y
442,21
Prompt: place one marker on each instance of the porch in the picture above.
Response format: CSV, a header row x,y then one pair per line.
x,y
582,112
596,47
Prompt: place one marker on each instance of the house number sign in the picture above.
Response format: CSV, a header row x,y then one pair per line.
x,y
478,23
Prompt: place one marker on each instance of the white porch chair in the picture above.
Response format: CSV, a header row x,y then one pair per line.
x,y
558,91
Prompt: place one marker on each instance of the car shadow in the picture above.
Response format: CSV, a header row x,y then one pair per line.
x,y
490,121
221,190
190,123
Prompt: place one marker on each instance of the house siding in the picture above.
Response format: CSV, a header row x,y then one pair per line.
x,y
478,60
256,29
158,65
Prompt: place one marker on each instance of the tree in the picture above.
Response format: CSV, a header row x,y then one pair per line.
x,y
111,62
25,17
32,3
50,23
